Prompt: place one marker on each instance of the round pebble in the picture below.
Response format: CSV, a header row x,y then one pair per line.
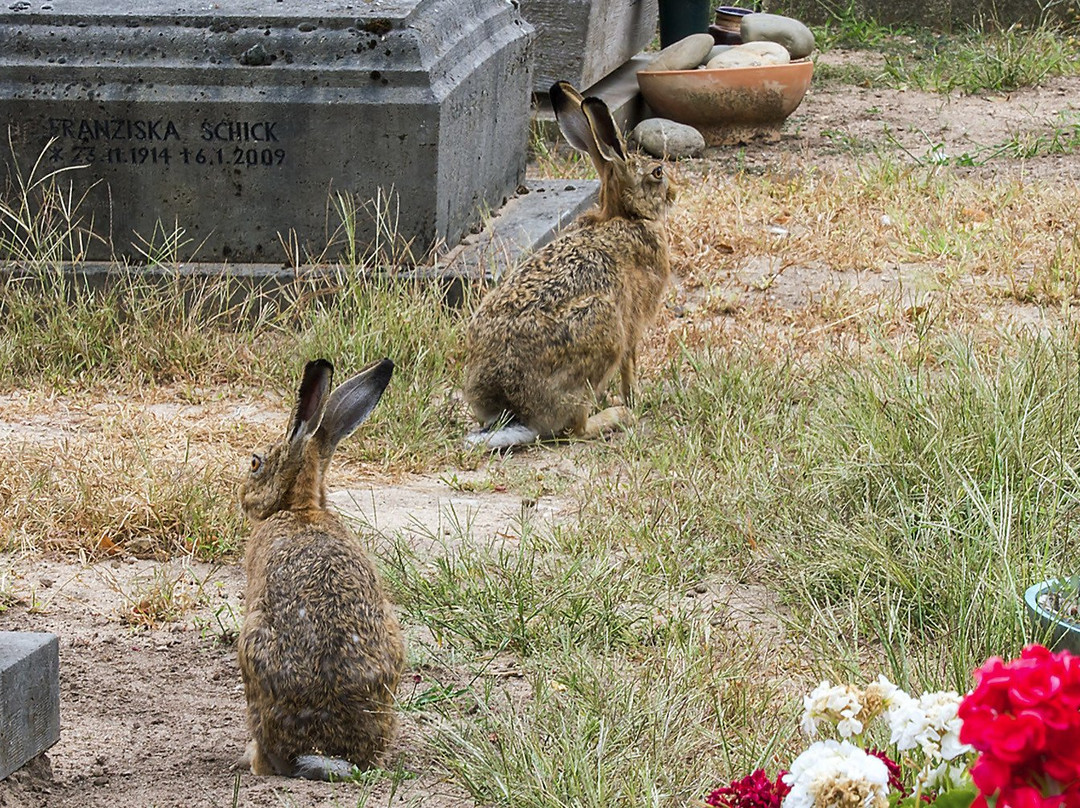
x,y
667,139
771,53
736,57
686,54
792,34
716,51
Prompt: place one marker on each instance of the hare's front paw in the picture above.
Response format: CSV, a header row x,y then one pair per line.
x,y
253,760
608,420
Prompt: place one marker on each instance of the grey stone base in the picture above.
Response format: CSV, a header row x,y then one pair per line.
x,y
527,222
241,121
29,697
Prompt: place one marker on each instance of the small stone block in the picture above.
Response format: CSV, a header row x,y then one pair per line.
x,y
618,89
29,697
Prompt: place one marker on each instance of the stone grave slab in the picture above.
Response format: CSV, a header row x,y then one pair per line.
x,y
239,122
525,224
29,697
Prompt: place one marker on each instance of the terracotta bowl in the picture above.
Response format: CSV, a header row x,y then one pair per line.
x,y
732,104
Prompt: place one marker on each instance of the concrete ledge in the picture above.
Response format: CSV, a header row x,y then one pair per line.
x,y
29,697
524,224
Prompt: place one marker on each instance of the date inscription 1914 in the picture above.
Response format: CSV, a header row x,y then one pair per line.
x,y
164,142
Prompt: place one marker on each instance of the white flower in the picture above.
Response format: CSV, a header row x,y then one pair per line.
x,y
906,722
943,777
929,723
847,707
849,725
830,770
838,704
884,691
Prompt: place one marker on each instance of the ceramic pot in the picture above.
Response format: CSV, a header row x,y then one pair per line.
x,y
729,105
727,24
1060,633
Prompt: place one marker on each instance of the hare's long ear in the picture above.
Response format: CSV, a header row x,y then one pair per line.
x,y
310,402
604,130
566,101
350,405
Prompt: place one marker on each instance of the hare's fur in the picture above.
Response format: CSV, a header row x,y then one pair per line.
x,y
320,650
546,342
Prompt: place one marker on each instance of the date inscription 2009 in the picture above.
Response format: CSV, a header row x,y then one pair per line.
x,y
161,142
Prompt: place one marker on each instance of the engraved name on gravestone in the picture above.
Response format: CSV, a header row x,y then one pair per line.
x,y
241,122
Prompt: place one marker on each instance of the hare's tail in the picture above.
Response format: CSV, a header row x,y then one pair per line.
x,y
506,436
319,767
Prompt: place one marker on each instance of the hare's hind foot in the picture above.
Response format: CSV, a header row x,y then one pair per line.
x,y
501,438
309,767
607,420
328,769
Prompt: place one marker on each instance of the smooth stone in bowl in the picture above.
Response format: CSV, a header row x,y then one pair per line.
x,y
771,53
792,34
667,139
716,51
736,57
686,54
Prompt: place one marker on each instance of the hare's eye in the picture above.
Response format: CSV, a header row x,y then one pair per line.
x,y
256,463
658,172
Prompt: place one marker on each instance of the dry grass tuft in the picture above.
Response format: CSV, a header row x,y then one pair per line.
x,y
166,596
118,479
111,500
876,217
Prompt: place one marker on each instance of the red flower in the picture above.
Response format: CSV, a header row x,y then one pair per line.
x,y
1015,738
1023,717
1023,797
990,774
753,791
896,782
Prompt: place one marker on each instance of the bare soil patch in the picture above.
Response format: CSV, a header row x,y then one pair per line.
x,y
837,124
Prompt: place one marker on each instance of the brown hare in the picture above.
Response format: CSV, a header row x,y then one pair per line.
x,y
320,650
544,343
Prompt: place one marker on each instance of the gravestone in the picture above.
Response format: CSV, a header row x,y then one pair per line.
x,y
240,122
29,697
582,41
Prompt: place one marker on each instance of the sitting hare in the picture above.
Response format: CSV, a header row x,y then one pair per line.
x,y
320,650
545,343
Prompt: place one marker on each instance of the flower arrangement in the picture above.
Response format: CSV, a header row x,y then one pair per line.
x,y
1012,742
